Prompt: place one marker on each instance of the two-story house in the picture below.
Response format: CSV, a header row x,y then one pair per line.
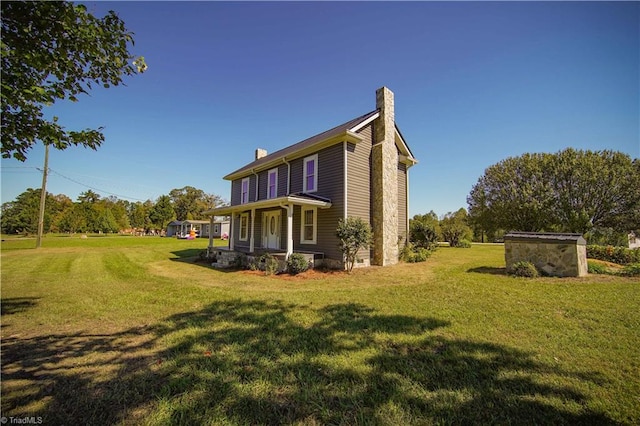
x,y
292,199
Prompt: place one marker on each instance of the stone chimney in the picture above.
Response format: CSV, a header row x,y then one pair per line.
x,y
384,182
260,153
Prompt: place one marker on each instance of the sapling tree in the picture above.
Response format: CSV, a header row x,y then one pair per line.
x,y
354,234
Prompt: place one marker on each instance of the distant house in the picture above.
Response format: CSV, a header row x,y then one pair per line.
x,y
202,228
634,240
220,229
291,200
173,228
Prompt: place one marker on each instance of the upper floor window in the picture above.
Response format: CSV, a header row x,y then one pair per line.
x,y
272,183
310,174
244,192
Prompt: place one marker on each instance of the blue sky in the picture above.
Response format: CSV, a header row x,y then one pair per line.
x,y
474,83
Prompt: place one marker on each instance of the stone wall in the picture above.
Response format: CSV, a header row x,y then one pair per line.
x,y
562,255
384,182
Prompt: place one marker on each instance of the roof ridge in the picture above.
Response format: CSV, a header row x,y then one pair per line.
x,y
296,146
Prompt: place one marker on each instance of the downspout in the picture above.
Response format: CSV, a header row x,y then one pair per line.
x,y
345,183
257,182
284,160
253,214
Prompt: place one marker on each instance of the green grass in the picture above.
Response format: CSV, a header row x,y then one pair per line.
x,y
126,330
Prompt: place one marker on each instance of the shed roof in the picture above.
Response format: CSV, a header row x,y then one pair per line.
x,y
546,237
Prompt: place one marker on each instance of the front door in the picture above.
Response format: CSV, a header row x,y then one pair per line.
x,y
272,229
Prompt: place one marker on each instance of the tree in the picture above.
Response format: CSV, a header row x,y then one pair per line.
x,y
162,212
55,51
139,214
454,228
72,220
570,191
89,210
105,221
424,230
21,215
185,202
513,194
595,189
354,234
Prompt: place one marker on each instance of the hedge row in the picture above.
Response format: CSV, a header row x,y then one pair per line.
x,y
619,255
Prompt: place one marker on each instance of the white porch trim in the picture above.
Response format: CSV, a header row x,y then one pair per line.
x,y
286,202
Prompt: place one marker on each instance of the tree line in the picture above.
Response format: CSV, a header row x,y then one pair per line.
x,y
96,214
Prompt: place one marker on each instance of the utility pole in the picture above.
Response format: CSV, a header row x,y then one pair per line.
x,y
43,196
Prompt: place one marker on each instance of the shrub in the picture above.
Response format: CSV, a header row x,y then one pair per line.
x,y
619,255
524,269
631,270
414,254
354,234
241,261
297,263
270,263
463,244
423,231
420,254
596,268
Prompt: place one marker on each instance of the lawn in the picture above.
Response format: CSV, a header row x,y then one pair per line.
x,y
130,330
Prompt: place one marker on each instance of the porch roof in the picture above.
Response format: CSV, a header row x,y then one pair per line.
x,y
292,199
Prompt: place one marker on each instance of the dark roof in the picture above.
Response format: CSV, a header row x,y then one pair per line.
x,y
546,237
311,196
304,144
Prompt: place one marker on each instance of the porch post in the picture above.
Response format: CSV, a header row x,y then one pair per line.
x,y
253,222
232,225
210,248
289,208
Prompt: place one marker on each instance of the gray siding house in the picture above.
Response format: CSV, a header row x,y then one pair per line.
x,y
182,228
291,200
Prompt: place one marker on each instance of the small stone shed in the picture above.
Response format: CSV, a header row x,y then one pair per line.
x,y
556,254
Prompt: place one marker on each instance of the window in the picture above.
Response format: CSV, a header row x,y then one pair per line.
x,y
310,183
272,183
308,231
244,226
216,229
244,192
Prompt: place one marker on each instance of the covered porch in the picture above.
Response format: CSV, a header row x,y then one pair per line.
x,y
223,257
268,225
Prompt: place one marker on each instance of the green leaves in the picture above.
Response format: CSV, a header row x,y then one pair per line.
x,y
354,234
53,51
571,191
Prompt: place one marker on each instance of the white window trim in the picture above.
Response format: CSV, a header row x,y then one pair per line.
x,y
246,237
272,171
304,209
313,158
242,200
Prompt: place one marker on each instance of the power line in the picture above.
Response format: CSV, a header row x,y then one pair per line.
x,y
93,188
33,169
